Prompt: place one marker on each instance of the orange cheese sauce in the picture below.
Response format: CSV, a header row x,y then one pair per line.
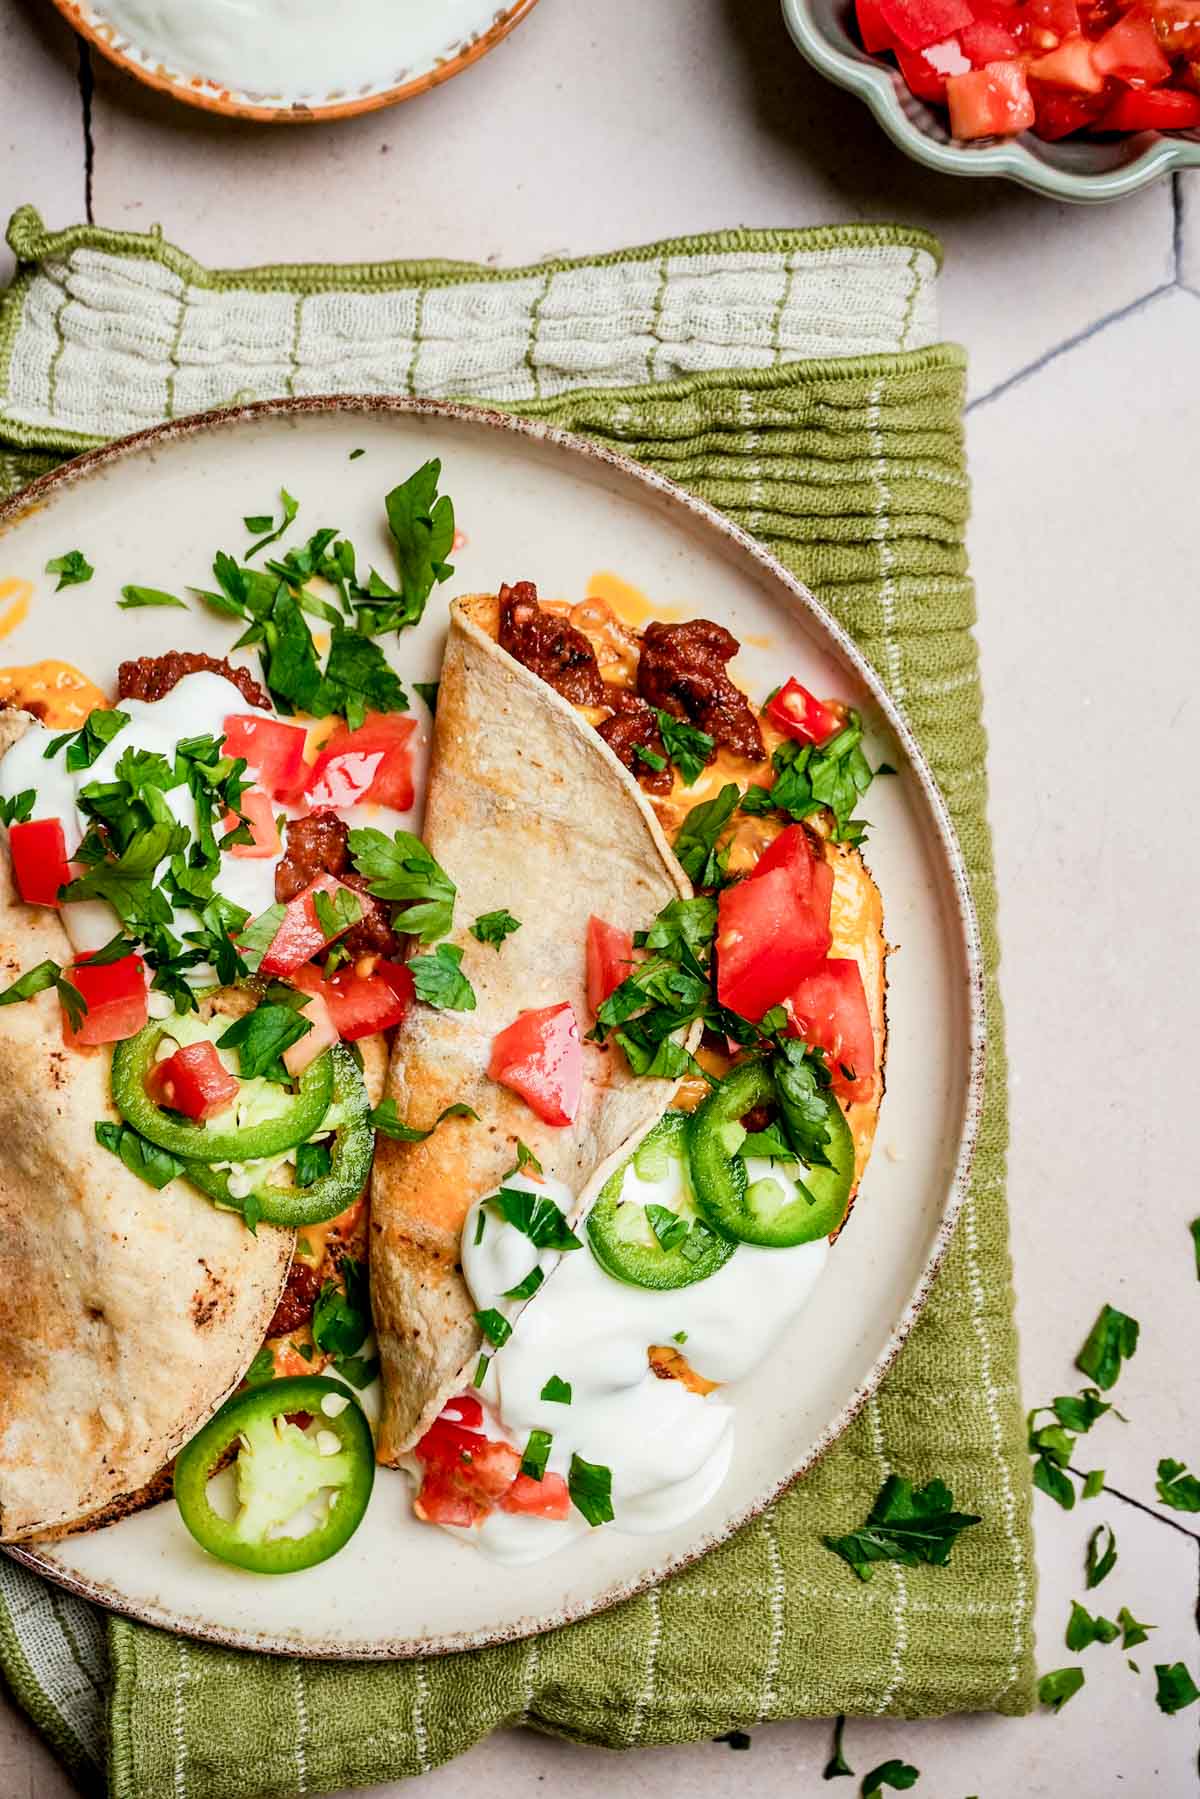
x,y
15,596
56,692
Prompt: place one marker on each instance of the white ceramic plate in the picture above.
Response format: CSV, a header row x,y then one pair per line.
x,y
293,61
534,504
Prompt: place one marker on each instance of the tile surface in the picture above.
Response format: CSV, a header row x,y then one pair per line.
x,y
1083,551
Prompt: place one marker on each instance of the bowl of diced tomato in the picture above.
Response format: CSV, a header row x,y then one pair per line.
x,y
1079,99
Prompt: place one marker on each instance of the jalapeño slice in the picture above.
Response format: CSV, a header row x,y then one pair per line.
x,y
651,1237
791,1204
280,1471
132,1062
350,1156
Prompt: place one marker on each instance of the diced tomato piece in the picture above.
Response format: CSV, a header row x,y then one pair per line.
x,y
768,938
545,1498
1060,112
373,763
463,1409
990,102
273,750
790,850
1050,21
115,995
794,710
609,960
829,1010
915,23
440,1500
1159,109
258,810
925,71
465,1473
193,1081
306,1049
987,40
39,860
361,1004
300,935
871,28
540,1057
1070,66
1130,52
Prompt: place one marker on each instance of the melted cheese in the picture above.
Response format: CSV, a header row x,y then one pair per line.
x,y
56,692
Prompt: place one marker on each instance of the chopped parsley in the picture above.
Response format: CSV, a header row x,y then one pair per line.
x,y
151,1164
72,569
428,691
696,839
495,1327
1132,1633
837,1766
688,748
590,1487
481,1368
422,527
1052,1444
1100,1562
19,809
40,979
313,1162
1083,1629
439,980
895,1774
1112,1339
260,1038
133,597
494,927
358,1370
387,1120
256,938
528,1287
401,869
525,1159
261,1369
668,1226
1176,1688
84,746
810,780
265,522
336,912
907,1525
537,1454
1055,1688
556,1392
536,1216
1176,1487
341,1320
651,758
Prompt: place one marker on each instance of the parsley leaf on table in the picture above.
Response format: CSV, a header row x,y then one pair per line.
x,y
1112,1339
905,1524
72,569
1083,1629
1055,1688
1132,1633
837,1765
1100,1563
896,1774
1176,1487
1176,1688
439,980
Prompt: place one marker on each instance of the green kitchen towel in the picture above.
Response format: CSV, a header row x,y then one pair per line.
x,y
794,379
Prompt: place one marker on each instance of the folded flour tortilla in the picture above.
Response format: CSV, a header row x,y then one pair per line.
x,y
126,1315
527,809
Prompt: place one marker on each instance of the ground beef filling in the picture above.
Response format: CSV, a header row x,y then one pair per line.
x,y
317,845
682,671
634,726
297,1300
550,646
153,677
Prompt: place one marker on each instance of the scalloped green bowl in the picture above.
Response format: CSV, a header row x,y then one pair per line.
x,y
1081,169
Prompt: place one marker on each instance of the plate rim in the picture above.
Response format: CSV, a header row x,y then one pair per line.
x,y
208,95
80,469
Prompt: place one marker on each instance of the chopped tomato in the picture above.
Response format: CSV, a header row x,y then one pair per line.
x,y
609,960
115,995
373,763
987,40
871,27
1161,109
811,874
1070,66
540,1057
193,1081
915,23
990,102
360,1004
463,1409
1050,21
926,70
545,1498
306,1049
39,860
829,1010
300,935
794,710
1129,52
1060,112
259,812
464,1473
275,751
768,938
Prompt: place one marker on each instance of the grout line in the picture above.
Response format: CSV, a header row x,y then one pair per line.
x,y
87,86
1072,343
1139,1506
1176,227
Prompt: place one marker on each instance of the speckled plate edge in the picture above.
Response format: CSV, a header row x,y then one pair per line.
x,y
797,597
234,103
911,124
